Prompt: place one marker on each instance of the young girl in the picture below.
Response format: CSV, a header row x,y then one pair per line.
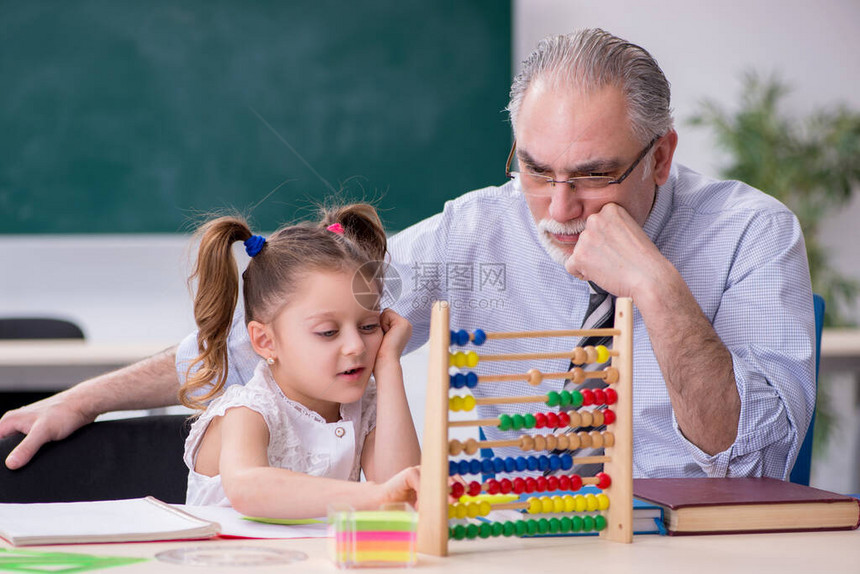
x,y
294,438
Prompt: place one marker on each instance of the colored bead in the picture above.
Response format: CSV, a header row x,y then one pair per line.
x,y
534,505
581,505
452,338
471,380
577,375
455,447
509,528
518,421
554,525
454,381
521,528
558,504
468,403
551,442
565,524
552,420
463,467
597,418
547,504
576,399
540,484
461,337
486,466
608,416
479,337
575,523
564,482
569,503
552,483
565,398
599,522
552,399
611,375
590,502
521,463
587,397
543,526
575,482
599,397
602,501
532,463
510,464
498,464
529,421
498,528
519,485
585,418
531,484
578,356
455,403
452,512
506,486
590,354
534,377
460,510
603,480
459,359
540,442
457,489
472,359
554,462
540,420
527,443
505,422
611,396
493,486
587,523
602,353
562,442
474,466
543,462
471,446
472,510
566,461
563,419
472,531
531,527
459,532
474,488
484,508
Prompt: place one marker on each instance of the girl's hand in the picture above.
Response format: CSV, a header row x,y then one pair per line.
x,y
403,486
396,333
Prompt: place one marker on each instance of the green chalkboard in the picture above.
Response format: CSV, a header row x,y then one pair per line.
x,y
121,116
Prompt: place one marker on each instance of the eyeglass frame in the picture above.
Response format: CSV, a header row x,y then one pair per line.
x,y
571,182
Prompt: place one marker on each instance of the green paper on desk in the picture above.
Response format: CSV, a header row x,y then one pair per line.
x,y
14,560
285,521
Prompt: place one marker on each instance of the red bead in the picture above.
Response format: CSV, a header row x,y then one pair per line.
x,y
506,486
552,483
531,484
575,482
611,396
564,482
552,420
608,416
519,485
603,480
563,419
474,488
457,489
587,397
541,484
599,397
540,420
492,486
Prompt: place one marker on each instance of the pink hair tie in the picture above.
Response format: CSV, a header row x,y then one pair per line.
x,y
336,228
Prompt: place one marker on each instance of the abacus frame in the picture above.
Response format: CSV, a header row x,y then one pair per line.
x,y
433,494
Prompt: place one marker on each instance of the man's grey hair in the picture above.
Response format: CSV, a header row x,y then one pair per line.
x,y
592,59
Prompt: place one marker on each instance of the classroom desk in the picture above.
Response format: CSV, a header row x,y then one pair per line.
x,y
807,553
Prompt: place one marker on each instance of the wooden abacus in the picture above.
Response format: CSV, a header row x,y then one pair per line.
x,y
614,519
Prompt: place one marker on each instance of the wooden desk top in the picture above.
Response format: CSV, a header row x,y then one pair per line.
x,y
49,352
810,552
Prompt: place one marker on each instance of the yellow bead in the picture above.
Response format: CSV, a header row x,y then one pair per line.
x,y
472,509
461,511
569,503
452,512
580,504
484,508
557,504
602,502
534,505
472,359
450,359
459,359
455,403
468,403
590,502
602,353
546,504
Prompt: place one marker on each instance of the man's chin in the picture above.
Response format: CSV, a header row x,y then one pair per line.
x,y
558,252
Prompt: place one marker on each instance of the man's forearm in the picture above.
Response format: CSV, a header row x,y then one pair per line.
x,y
696,365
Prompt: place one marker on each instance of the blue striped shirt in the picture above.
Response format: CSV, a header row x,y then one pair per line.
x,y
741,253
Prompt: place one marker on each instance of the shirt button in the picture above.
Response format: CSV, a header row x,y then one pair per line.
x,y
339,432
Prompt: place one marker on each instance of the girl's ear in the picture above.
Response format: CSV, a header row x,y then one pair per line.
x,y
261,339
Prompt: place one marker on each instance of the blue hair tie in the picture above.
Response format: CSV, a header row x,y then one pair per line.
x,y
254,244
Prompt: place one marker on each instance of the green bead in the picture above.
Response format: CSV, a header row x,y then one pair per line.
x,y
504,422
530,421
566,398
552,399
543,525
599,522
472,531
509,528
576,524
531,527
497,528
576,399
485,530
459,532
565,524
521,527
518,422
554,525
588,523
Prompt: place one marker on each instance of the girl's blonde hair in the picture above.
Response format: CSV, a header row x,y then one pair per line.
x,y
270,279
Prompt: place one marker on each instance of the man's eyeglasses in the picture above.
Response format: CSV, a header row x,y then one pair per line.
x,y
586,186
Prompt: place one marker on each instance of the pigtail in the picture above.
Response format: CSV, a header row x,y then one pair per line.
x,y
214,303
362,226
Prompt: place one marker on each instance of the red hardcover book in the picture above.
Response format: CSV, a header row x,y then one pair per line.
x,y
736,505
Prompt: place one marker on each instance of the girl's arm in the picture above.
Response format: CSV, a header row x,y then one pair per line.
x,y
256,489
393,444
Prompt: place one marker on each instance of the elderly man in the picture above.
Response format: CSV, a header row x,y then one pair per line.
x,y
723,329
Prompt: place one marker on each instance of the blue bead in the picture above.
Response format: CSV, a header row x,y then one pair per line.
x,y
532,463
452,338
543,462
479,337
522,463
471,380
459,381
463,467
452,382
498,464
566,461
462,337
487,466
453,467
554,462
510,464
475,466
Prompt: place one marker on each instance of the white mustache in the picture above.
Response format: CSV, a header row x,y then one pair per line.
x,y
570,228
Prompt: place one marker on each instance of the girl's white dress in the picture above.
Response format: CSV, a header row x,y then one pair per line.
x,y
299,439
